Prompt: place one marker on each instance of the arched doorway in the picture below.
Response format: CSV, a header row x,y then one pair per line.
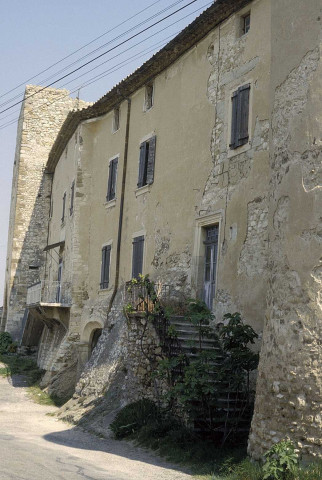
x,y
94,339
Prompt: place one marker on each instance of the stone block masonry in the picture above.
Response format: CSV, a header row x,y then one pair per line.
x,y
41,117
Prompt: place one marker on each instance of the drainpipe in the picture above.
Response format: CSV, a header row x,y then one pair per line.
x,y
119,235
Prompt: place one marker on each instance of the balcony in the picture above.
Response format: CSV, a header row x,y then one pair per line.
x,y
49,294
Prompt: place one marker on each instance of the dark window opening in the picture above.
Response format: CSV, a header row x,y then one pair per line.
x,y
240,116
149,90
116,119
147,160
246,24
137,256
96,335
64,207
111,187
72,195
105,268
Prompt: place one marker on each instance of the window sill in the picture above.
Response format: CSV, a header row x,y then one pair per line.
x,y
237,151
101,291
110,204
142,190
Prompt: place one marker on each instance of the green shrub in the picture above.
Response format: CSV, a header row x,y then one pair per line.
x,y
281,461
133,417
5,341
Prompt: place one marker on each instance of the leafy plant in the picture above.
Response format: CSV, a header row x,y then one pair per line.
x,y
5,341
281,461
133,417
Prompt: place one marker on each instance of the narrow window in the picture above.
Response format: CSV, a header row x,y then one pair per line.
x,y
137,256
246,24
149,93
116,119
105,268
240,116
210,266
146,164
64,206
111,187
72,194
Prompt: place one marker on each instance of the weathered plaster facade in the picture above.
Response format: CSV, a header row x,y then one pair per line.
x,y
262,196
289,388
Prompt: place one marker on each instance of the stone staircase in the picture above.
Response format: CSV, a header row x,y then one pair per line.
x,y
191,345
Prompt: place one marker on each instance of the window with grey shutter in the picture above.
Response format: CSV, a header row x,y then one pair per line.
x,y
147,161
142,165
137,256
105,268
240,116
64,206
150,161
72,195
111,187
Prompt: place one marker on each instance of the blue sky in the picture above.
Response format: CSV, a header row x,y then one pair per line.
x,y
38,33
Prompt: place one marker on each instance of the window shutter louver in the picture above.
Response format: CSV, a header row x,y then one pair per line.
x,y
109,185
234,121
113,186
243,97
137,258
105,270
151,160
142,165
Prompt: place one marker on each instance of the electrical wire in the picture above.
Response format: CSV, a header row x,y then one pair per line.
x,y
96,50
80,48
120,53
112,69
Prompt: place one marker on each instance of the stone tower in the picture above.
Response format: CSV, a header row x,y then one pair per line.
x,y
42,115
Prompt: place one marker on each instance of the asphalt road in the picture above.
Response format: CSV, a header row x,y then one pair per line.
x,y
36,446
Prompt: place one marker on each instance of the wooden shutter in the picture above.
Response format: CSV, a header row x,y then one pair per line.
x,y
64,206
142,165
137,257
234,122
72,194
105,269
111,188
151,161
243,114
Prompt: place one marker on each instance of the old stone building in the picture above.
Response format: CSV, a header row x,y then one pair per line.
x,y
203,170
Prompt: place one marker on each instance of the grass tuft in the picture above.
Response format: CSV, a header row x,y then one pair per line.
x,y
22,365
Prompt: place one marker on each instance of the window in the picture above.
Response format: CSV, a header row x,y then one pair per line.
x,y
210,266
146,165
64,206
149,94
245,23
72,194
137,256
111,187
240,116
116,119
105,268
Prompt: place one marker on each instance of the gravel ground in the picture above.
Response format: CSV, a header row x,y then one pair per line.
x,y
36,446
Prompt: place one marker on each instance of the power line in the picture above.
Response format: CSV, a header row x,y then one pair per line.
x,y
95,50
112,69
81,48
120,53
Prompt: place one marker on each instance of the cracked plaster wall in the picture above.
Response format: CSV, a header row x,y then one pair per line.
x,y
289,388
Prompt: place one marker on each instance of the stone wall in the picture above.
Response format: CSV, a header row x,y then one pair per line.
x,y
118,372
289,387
40,120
